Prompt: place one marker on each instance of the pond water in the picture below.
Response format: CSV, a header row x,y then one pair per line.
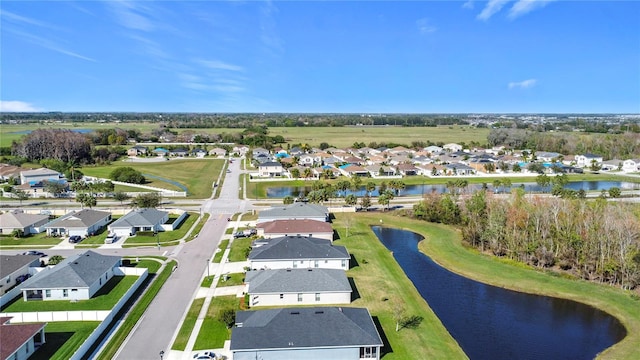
x,y
494,323
295,191
26,132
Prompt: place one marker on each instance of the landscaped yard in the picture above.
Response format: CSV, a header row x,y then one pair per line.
x,y
218,255
187,325
214,332
233,280
240,248
34,240
63,339
197,175
104,299
164,236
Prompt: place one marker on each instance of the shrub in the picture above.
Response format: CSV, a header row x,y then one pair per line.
x,y
127,174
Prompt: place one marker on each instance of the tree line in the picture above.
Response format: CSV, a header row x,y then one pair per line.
x,y
593,240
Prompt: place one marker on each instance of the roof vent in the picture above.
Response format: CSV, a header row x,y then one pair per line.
x,y
75,263
319,312
309,269
295,313
288,270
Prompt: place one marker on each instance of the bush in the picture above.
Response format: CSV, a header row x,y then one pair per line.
x,y
127,174
228,317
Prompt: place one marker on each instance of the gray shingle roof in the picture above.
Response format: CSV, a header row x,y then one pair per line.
x,y
80,270
20,220
298,247
11,263
304,328
295,210
139,217
297,280
301,226
80,219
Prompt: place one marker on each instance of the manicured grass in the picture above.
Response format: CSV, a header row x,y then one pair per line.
x,y
377,276
197,175
152,265
234,279
165,236
136,312
63,339
214,332
347,135
198,228
217,257
443,244
187,325
37,240
249,216
104,299
207,281
238,249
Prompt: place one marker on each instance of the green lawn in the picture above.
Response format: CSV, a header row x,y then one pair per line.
x,y
152,265
198,228
197,175
36,240
234,279
187,325
238,249
443,245
218,255
207,281
63,339
213,332
104,299
164,236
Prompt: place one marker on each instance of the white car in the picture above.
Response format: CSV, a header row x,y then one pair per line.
x,y
111,238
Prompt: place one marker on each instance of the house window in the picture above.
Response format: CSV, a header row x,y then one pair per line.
x,y
326,261
47,293
295,264
281,296
9,279
368,353
72,290
65,292
316,263
317,296
299,297
344,263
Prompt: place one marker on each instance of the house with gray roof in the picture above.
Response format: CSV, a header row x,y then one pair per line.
x,y
305,333
78,277
147,219
15,268
33,177
295,211
283,287
459,169
298,252
270,169
82,223
304,227
27,223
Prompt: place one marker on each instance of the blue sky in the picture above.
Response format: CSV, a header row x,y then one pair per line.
x,y
321,56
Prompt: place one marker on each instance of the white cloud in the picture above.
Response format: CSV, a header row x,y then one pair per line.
x,y
492,7
15,18
130,15
17,106
425,27
49,44
219,65
522,7
525,84
468,4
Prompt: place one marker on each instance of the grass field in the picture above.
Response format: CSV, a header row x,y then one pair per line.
x,y
197,175
346,136
238,249
217,257
214,332
63,339
233,280
35,240
443,245
164,237
187,325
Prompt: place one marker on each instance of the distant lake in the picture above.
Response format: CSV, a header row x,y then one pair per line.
x,y
26,132
412,190
495,323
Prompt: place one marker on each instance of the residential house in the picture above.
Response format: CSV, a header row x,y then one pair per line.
x,y
353,170
33,177
585,160
14,269
137,150
241,150
379,170
452,147
296,211
433,149
199,153
318,172
9,171
160,152
407,169
180,152
310,160
20,341
83,223
270,169
218,152
631,165
343,333
77,277
291,252
459,169
27,223
259,151
304,227
283,287
546,156
353,160
147,219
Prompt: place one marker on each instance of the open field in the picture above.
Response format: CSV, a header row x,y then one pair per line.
x,y
443,245
197,175
346,136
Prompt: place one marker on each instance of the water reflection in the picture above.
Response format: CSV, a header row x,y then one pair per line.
x,y
494,323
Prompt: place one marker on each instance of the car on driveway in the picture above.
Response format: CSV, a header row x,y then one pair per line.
x,y
34,252
75,238
239,234
111,238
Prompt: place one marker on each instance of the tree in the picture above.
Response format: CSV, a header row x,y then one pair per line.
x,y
489,167
365,202
287,200
595,167
86,199
351,200
17,233
53,187
20,195
396,186
434,171
127,174
615,192
356,182
307,173
536,167
147,200
295,173
543,181
370,187
342,186
516,168
55,260
121,196
385,198
228,317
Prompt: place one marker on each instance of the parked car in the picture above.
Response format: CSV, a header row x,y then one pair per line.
x,y
34,252
20,279
75,238
111,238
239,234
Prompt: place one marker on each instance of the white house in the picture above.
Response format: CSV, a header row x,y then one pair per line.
x,y
20,341
15,268
303,227
147,219
270,169
586,160
295,211
631,165
293,252
452,147
283,287
78,277
339,333
82,223
217,152
32,177
27,223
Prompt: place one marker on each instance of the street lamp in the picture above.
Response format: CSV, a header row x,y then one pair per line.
x,y
161,354
208,274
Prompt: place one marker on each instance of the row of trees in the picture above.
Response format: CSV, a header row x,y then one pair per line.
x,y
594,240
